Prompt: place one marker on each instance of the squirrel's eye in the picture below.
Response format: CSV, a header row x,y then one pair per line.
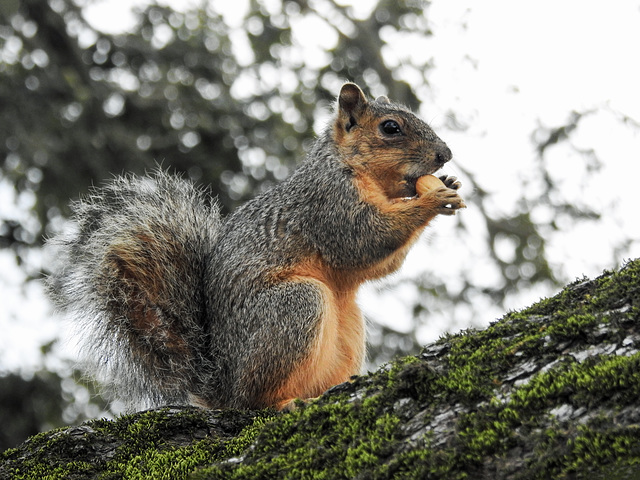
x,y
390,127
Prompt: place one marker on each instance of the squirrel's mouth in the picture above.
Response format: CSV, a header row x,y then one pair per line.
x,y
407,188
411,186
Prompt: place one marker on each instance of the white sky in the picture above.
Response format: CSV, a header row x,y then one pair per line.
x,y
514,65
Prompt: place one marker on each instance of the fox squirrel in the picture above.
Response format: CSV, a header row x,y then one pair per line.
x,y
177,305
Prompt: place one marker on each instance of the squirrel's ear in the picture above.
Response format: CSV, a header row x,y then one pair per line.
x,y
351,102
383,99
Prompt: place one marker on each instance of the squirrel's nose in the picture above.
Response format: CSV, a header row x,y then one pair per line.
x,y
443,154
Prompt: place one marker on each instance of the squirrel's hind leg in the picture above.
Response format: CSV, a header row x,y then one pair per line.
x,y
321,347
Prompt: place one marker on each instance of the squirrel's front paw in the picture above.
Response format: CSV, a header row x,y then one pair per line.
x,y
443,191
448,200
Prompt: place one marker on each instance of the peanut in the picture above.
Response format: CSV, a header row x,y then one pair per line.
x,y
427,183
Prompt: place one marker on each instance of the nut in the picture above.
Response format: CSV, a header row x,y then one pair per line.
x,y
427,183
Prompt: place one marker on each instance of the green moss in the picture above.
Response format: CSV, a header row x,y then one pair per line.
x,y
340,439
600,448
143,445
239,444
170,463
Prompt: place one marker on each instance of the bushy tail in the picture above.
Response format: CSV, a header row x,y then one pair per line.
x,y
133,278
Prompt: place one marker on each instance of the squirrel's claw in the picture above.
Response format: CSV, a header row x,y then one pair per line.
x,y
451,209
450,182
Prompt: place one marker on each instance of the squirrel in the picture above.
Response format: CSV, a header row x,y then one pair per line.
x,y
177,304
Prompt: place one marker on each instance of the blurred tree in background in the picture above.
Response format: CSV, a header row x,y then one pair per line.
x,y
230,107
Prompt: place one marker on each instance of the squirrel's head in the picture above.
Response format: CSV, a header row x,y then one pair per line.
x,y
386,141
